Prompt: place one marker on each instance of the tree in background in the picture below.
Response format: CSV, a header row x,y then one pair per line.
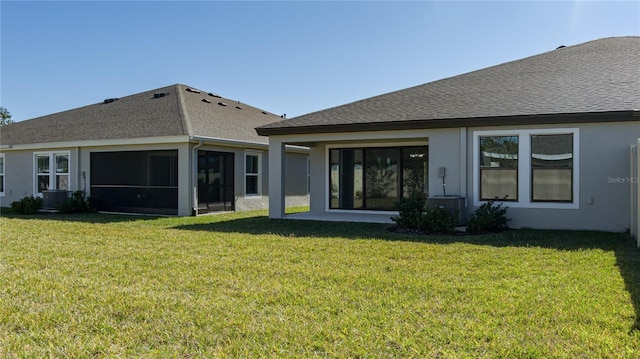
x,y
5,117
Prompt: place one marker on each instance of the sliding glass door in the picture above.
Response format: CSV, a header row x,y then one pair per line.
x,y
376,178
215,181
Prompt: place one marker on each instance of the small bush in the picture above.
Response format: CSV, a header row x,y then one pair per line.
x,y
77,203
438,220
410,211
489,217
27,205
415,215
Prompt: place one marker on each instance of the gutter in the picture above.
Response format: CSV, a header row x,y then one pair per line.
x,y
244,144
514,120
228,142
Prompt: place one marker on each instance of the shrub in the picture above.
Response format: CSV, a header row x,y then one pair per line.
x,y
410,211
27,205
77,203
489,217
438,220
415,215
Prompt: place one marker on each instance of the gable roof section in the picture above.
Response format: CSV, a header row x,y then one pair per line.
x,y
169,111
570,84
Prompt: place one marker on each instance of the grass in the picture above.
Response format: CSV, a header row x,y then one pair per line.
x,y
241,285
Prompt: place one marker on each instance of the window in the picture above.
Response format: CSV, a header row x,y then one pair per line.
x,y
375,178
499,168
533,168
552,168
51,171
252,174
1,174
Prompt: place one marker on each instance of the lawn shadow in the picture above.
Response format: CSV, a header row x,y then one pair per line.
x,y
260,225
94,218
621,244
628,262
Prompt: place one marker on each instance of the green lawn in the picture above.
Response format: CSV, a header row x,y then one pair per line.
x,y
241,285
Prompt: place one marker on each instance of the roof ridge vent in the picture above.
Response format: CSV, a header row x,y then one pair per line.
x,y
189,89
110,100
214,95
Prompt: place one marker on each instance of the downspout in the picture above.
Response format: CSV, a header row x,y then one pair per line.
x,y
194,178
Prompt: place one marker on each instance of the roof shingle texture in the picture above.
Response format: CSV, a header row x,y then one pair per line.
x,y
597,76
178,111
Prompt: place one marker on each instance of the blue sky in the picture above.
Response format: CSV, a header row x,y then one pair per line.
x,y
283,57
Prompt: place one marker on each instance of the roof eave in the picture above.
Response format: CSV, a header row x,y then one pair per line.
x,y
516,120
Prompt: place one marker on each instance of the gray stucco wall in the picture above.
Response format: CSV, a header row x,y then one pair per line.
x,y
296,190
19,173
18,167
295,179
602,172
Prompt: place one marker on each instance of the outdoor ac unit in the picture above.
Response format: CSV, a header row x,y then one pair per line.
x,y
52,199
453,204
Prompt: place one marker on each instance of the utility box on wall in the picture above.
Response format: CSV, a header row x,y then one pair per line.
x,y
53,199
453,204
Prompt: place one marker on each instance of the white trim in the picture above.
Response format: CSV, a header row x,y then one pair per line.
x,y
245,144
52,174
99,143
524,167
229,142
258,174
144,141
3,174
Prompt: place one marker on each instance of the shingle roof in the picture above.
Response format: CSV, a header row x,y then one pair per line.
x,y
601,76
168,111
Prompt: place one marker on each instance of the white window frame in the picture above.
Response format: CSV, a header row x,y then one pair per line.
x,y
258,174
52,173
2,173
524,167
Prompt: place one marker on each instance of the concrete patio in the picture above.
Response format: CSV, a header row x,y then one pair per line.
x,y
342,217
